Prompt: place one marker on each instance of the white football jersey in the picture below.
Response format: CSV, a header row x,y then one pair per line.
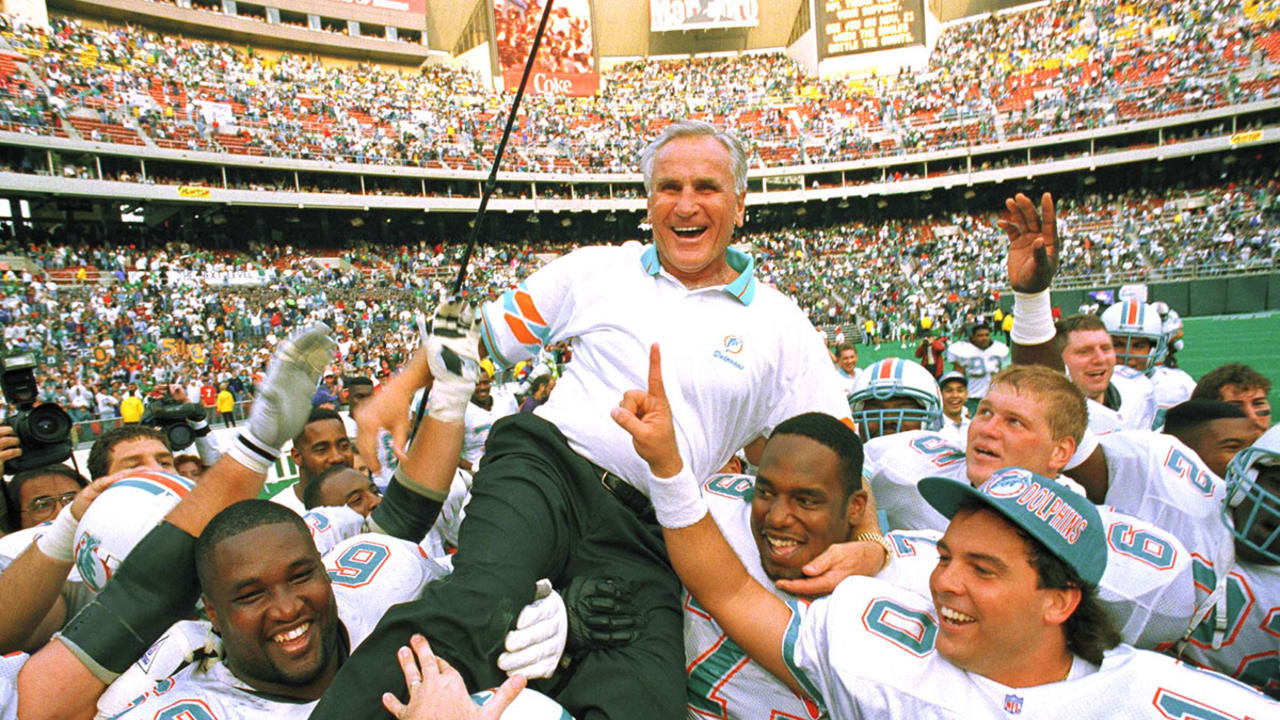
x,y
898,462
369,572
867,651
1172,386
1137,409
478,422
444,531
1250,646
10,664
979,364
1157,478
1148,588
723,682
331,525
846,381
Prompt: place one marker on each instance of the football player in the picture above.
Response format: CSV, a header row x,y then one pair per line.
x,y
807,496
1141,343
286,618
1014,622
978,358
894,395
1120,398
1153,476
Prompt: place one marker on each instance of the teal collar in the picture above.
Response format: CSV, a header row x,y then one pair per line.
x,y
743,287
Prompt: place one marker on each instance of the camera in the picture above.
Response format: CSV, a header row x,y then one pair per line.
x,y
44,432
175,421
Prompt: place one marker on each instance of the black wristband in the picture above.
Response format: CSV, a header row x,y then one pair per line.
x,y
404,513
155,587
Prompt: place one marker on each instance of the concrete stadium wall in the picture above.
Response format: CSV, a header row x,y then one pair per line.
x,y
1190,298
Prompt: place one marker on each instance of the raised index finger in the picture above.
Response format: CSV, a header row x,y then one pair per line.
x,y
656,387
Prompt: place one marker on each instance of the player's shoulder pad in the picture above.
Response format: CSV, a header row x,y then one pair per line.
x,y
1184,690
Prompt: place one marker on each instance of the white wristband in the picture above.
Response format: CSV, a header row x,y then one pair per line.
x,y
677,500
58,539
252,453
1032,318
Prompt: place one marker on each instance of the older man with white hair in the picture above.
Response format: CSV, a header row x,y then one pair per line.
x,y
561,492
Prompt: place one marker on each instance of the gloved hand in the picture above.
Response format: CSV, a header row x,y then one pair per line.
x,y
453,355
198,420
184,642
601,614
284,399
535,645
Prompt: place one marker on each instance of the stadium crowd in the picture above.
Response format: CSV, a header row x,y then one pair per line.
x,y
1059,67
1066,519
113,301
1089,496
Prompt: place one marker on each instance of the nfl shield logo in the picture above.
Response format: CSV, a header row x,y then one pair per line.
x,y
1012,704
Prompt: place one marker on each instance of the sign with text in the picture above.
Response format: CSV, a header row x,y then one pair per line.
x,y
847,27
565,64
667,15
575,84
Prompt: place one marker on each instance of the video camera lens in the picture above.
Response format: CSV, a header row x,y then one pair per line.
x,y
49,424
44,431
180,436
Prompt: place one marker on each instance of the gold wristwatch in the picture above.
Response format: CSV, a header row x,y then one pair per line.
x,y
880,540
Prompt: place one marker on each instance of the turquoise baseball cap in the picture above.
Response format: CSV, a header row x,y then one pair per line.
x,y
1061,519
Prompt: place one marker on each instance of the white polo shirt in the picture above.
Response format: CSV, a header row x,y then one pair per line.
x,y
737,359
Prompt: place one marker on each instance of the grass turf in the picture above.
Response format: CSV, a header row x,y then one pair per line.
x,y
1210,341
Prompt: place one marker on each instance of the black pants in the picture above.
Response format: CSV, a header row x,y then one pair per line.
x,y
537,510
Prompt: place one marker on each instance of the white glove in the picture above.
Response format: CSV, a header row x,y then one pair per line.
x,y
535,646
453,354
283,402
180,644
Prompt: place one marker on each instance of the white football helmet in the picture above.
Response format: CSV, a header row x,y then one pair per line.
x,y
1128,321
120,517
1171,324
1251,510
895,378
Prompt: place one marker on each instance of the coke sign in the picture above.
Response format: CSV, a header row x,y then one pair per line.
x,y
550,83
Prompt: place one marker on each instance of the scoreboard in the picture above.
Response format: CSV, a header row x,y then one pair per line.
x,y
847,27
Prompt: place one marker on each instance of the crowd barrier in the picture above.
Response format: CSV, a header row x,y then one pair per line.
x,y
1190,298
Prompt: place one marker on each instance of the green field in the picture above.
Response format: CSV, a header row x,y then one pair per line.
x,y
1210,341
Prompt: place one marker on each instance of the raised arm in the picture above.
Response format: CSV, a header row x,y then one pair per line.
x,y
1032,263
155,586
446,366
752,616
31,604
